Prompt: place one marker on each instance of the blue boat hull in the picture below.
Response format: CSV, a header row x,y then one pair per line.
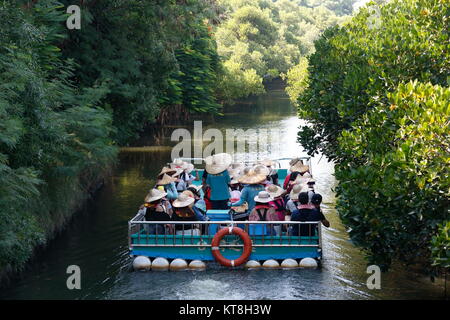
x,y
274,248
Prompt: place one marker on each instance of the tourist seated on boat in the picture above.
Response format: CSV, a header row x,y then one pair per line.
x,y
184,210
199,204
272,178
304,213
234,184
297,170
218,179
194,192
311,184
292,203
185,178
263,211
235,169
167,182
266,172
277,203
310,187
252,180
294,164
316,201
235,194
157,209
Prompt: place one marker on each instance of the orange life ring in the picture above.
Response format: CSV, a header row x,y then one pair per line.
x,y
245,254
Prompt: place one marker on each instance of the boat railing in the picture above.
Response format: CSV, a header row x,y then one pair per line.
x,y
143,233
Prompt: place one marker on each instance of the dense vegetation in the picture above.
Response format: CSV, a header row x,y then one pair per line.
x,y
54,137
69,97
149,55
263,39
377,100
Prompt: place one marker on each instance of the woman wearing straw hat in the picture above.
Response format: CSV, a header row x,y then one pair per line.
x,y
297,169
263,211
184,177
184,210
253,178
156,209
218,179
292,204
277,203
167,183
272,178
194,192
265,171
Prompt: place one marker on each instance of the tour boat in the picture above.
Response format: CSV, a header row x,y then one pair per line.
x,y
229,242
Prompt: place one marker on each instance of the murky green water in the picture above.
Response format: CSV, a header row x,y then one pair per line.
x,y
96,240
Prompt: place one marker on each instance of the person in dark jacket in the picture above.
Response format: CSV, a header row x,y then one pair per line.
x,y
157,209
306,214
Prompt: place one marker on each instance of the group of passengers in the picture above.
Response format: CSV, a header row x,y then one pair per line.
x,y
252,191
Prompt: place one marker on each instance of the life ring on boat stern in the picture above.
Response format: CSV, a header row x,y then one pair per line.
x,y
216,249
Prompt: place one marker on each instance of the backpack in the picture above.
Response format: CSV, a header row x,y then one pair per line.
x,y
262,218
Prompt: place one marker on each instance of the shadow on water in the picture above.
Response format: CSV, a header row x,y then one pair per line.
x,y
96,240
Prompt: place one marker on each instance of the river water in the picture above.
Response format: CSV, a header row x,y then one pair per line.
x,y
96,239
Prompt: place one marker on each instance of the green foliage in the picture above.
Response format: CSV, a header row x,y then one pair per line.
x,y
67,97
54,140
377,102
236,82
194,84
394,202
267,38
360,62
137,49
440,245
297,78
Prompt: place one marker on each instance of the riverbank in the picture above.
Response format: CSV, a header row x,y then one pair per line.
x,y
55,223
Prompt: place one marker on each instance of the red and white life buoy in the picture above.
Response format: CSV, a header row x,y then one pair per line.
x,y
245,254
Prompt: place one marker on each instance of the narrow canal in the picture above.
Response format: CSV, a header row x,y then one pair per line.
x,y
96,240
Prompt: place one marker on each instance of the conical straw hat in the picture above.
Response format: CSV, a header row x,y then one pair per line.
x,y
299,167
154,195
260,169
217,163
183,200
267,163
274,190
166,179
295,161
296,189
252,177
167,170
189,193
178,163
